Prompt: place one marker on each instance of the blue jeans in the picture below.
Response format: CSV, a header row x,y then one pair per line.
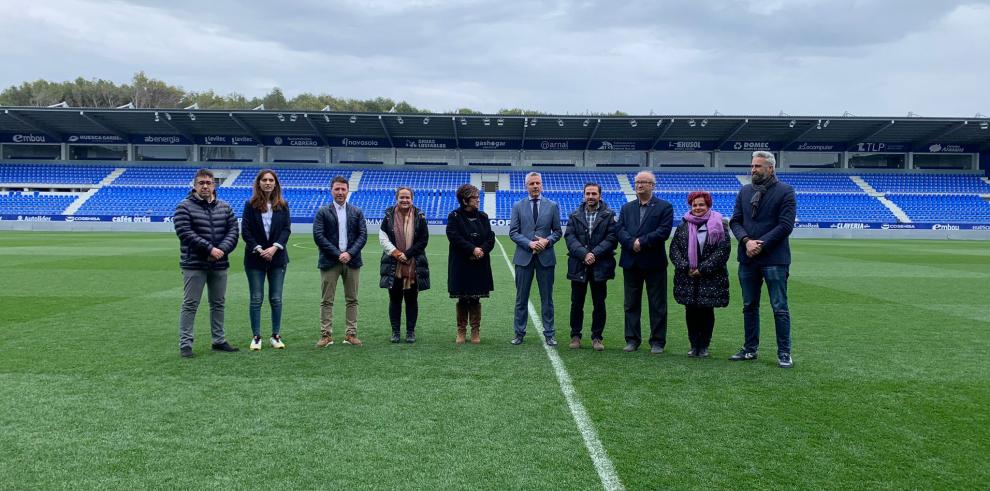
x,y
751,279
256,285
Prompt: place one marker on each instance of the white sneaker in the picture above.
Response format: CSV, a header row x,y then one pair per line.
x,y
256,344
276,342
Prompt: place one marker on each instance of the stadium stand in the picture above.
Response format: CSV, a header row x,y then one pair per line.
x,y
943,208
156,176
567,181
566,201
826,207
434,203
693,181
819,183
927,183
32,203
445,180
300,178
55,174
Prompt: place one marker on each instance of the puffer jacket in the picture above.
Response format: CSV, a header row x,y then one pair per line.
x,y
201,226
421,237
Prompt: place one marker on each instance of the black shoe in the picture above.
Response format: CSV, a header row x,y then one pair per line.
x,y
743,355
516,340
656,349
225,347
395,337
410,337
630,347
784,360
551,341
703,353
186,352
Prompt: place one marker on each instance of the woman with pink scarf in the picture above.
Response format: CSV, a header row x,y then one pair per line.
x,y
699,252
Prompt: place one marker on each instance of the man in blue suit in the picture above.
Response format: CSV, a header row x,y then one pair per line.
x,y
643,227
534,227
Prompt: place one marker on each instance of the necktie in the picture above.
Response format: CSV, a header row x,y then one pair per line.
x,y
536,211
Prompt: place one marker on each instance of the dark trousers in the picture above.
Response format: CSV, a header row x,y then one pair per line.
x,y
700,324
656,297
579,290
395,296
544,283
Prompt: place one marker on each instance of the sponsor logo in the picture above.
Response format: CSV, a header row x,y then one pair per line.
x,y
816,147
347,142
303,142
425,143
981,227
374,221
130,219
938,147
606,145
30,139
167,220
944,226
490,144
854,226
34,218
94,139
896,226
82,219
751,146
614,145
685,145
165,140
499,222
935,148
806,225
278,140
549,145
73,139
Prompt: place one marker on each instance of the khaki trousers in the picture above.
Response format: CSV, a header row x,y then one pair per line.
x,y
328,285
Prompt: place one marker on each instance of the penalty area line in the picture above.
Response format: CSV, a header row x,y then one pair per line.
x,y
606,471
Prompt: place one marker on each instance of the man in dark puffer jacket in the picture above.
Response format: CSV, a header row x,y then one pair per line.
x,y
207,231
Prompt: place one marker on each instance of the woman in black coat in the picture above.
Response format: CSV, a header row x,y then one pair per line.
x,y
699,252
265,227
469,269
405,270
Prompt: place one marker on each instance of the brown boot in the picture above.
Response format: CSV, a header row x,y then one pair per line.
x,y
475,315
462,320
324,341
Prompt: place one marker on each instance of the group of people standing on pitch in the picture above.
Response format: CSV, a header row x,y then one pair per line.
x,y
762,221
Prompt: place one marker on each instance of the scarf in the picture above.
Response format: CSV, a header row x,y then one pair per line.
x,y
403,229
760,188
716,232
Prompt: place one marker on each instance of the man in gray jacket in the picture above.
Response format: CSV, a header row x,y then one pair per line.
x,y
207,231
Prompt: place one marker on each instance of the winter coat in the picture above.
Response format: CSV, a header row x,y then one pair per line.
x,y
253,233
601,241
416,252
711,289
201,226
325,235
467,276
773,224
652,232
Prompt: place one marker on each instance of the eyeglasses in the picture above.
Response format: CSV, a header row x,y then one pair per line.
x,y
204,183
474,197
645,182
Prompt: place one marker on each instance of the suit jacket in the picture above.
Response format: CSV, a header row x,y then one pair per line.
x,y
523,230
772,224
325,235
253,233
652,232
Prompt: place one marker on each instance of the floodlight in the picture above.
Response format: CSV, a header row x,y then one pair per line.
x,y
400,120
156,117
500,121
487,122
168,116
633,123
691,123
659,122
819,125
825,124
704,122
585,123
984,125
192,117
326,118
353,119
532,122
791,124
463,121
426,120
292,117
560,122
281,117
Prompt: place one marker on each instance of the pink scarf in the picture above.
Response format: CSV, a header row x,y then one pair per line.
x,y
716,232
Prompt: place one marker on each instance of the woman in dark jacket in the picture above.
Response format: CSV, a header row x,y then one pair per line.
x,y
265,227
405,270
469,269
699,251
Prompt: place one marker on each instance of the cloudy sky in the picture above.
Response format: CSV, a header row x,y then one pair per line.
x,y
803,57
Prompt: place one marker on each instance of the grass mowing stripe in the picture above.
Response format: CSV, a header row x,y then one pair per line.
x,y
604,467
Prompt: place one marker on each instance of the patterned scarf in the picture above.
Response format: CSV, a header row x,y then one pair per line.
x,y
761,187
404,231
716,232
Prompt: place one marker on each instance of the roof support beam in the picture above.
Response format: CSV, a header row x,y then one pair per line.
x,y
938,135
799,136
594,132
867,136
168,122
735,131
457,139
244,126
522,144
661,133
103,125
32,124
387,134
316,130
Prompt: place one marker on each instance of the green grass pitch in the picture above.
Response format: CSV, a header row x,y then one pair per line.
x,y
891,387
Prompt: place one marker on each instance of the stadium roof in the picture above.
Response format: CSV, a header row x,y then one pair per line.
x,y
583,132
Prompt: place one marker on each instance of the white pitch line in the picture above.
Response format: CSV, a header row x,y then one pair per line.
x,y
606,471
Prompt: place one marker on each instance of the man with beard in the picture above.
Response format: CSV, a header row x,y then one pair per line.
x,y
762,220
591,244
